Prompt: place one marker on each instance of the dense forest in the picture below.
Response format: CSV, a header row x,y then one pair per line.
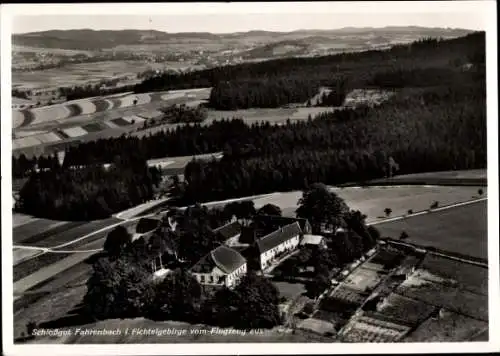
x,y
92,192
269,93
436,121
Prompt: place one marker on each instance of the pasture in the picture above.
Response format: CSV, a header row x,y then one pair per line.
x,y
460,229
373,200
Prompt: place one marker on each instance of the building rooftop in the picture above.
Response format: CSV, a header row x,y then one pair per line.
x,y
229,230
274,222
279,236
223,257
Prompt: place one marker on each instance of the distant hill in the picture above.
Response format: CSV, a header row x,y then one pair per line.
x,y
94,40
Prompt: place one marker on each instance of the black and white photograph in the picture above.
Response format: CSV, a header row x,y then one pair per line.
x,y
245,178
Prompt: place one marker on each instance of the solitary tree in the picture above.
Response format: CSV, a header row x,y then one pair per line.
x,y
410,211
403,235
480,192
434,205
270,209
387,211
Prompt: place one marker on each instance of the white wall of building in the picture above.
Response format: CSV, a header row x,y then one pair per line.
x,y
269,255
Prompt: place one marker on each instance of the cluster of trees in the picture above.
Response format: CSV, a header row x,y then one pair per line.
x,y
176,114
19,94
268,93
91,90
121,285
327,211
91,192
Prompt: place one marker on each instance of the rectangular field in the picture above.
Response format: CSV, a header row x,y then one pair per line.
x,y
449,327
402,308
461,229
25,233
446,296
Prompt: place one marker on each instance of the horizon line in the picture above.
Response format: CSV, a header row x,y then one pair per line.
x,y
253,30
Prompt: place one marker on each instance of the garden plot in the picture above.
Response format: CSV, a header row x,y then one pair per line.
x,y
367,329
76,131
317,326
363,279
373,200
447,327
436,291
405,309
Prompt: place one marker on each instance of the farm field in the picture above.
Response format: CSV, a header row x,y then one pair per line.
x,y
279,115
80,73
59,124
373,200
461,229
39,234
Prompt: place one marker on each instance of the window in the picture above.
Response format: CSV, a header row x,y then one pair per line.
x,y
202,279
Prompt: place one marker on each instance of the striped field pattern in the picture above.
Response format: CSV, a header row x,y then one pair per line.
x,y
59,112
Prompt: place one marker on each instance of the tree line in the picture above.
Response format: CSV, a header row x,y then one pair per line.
x,y
268,93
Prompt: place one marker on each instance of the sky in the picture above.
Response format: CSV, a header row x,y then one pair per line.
x,y
224,18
